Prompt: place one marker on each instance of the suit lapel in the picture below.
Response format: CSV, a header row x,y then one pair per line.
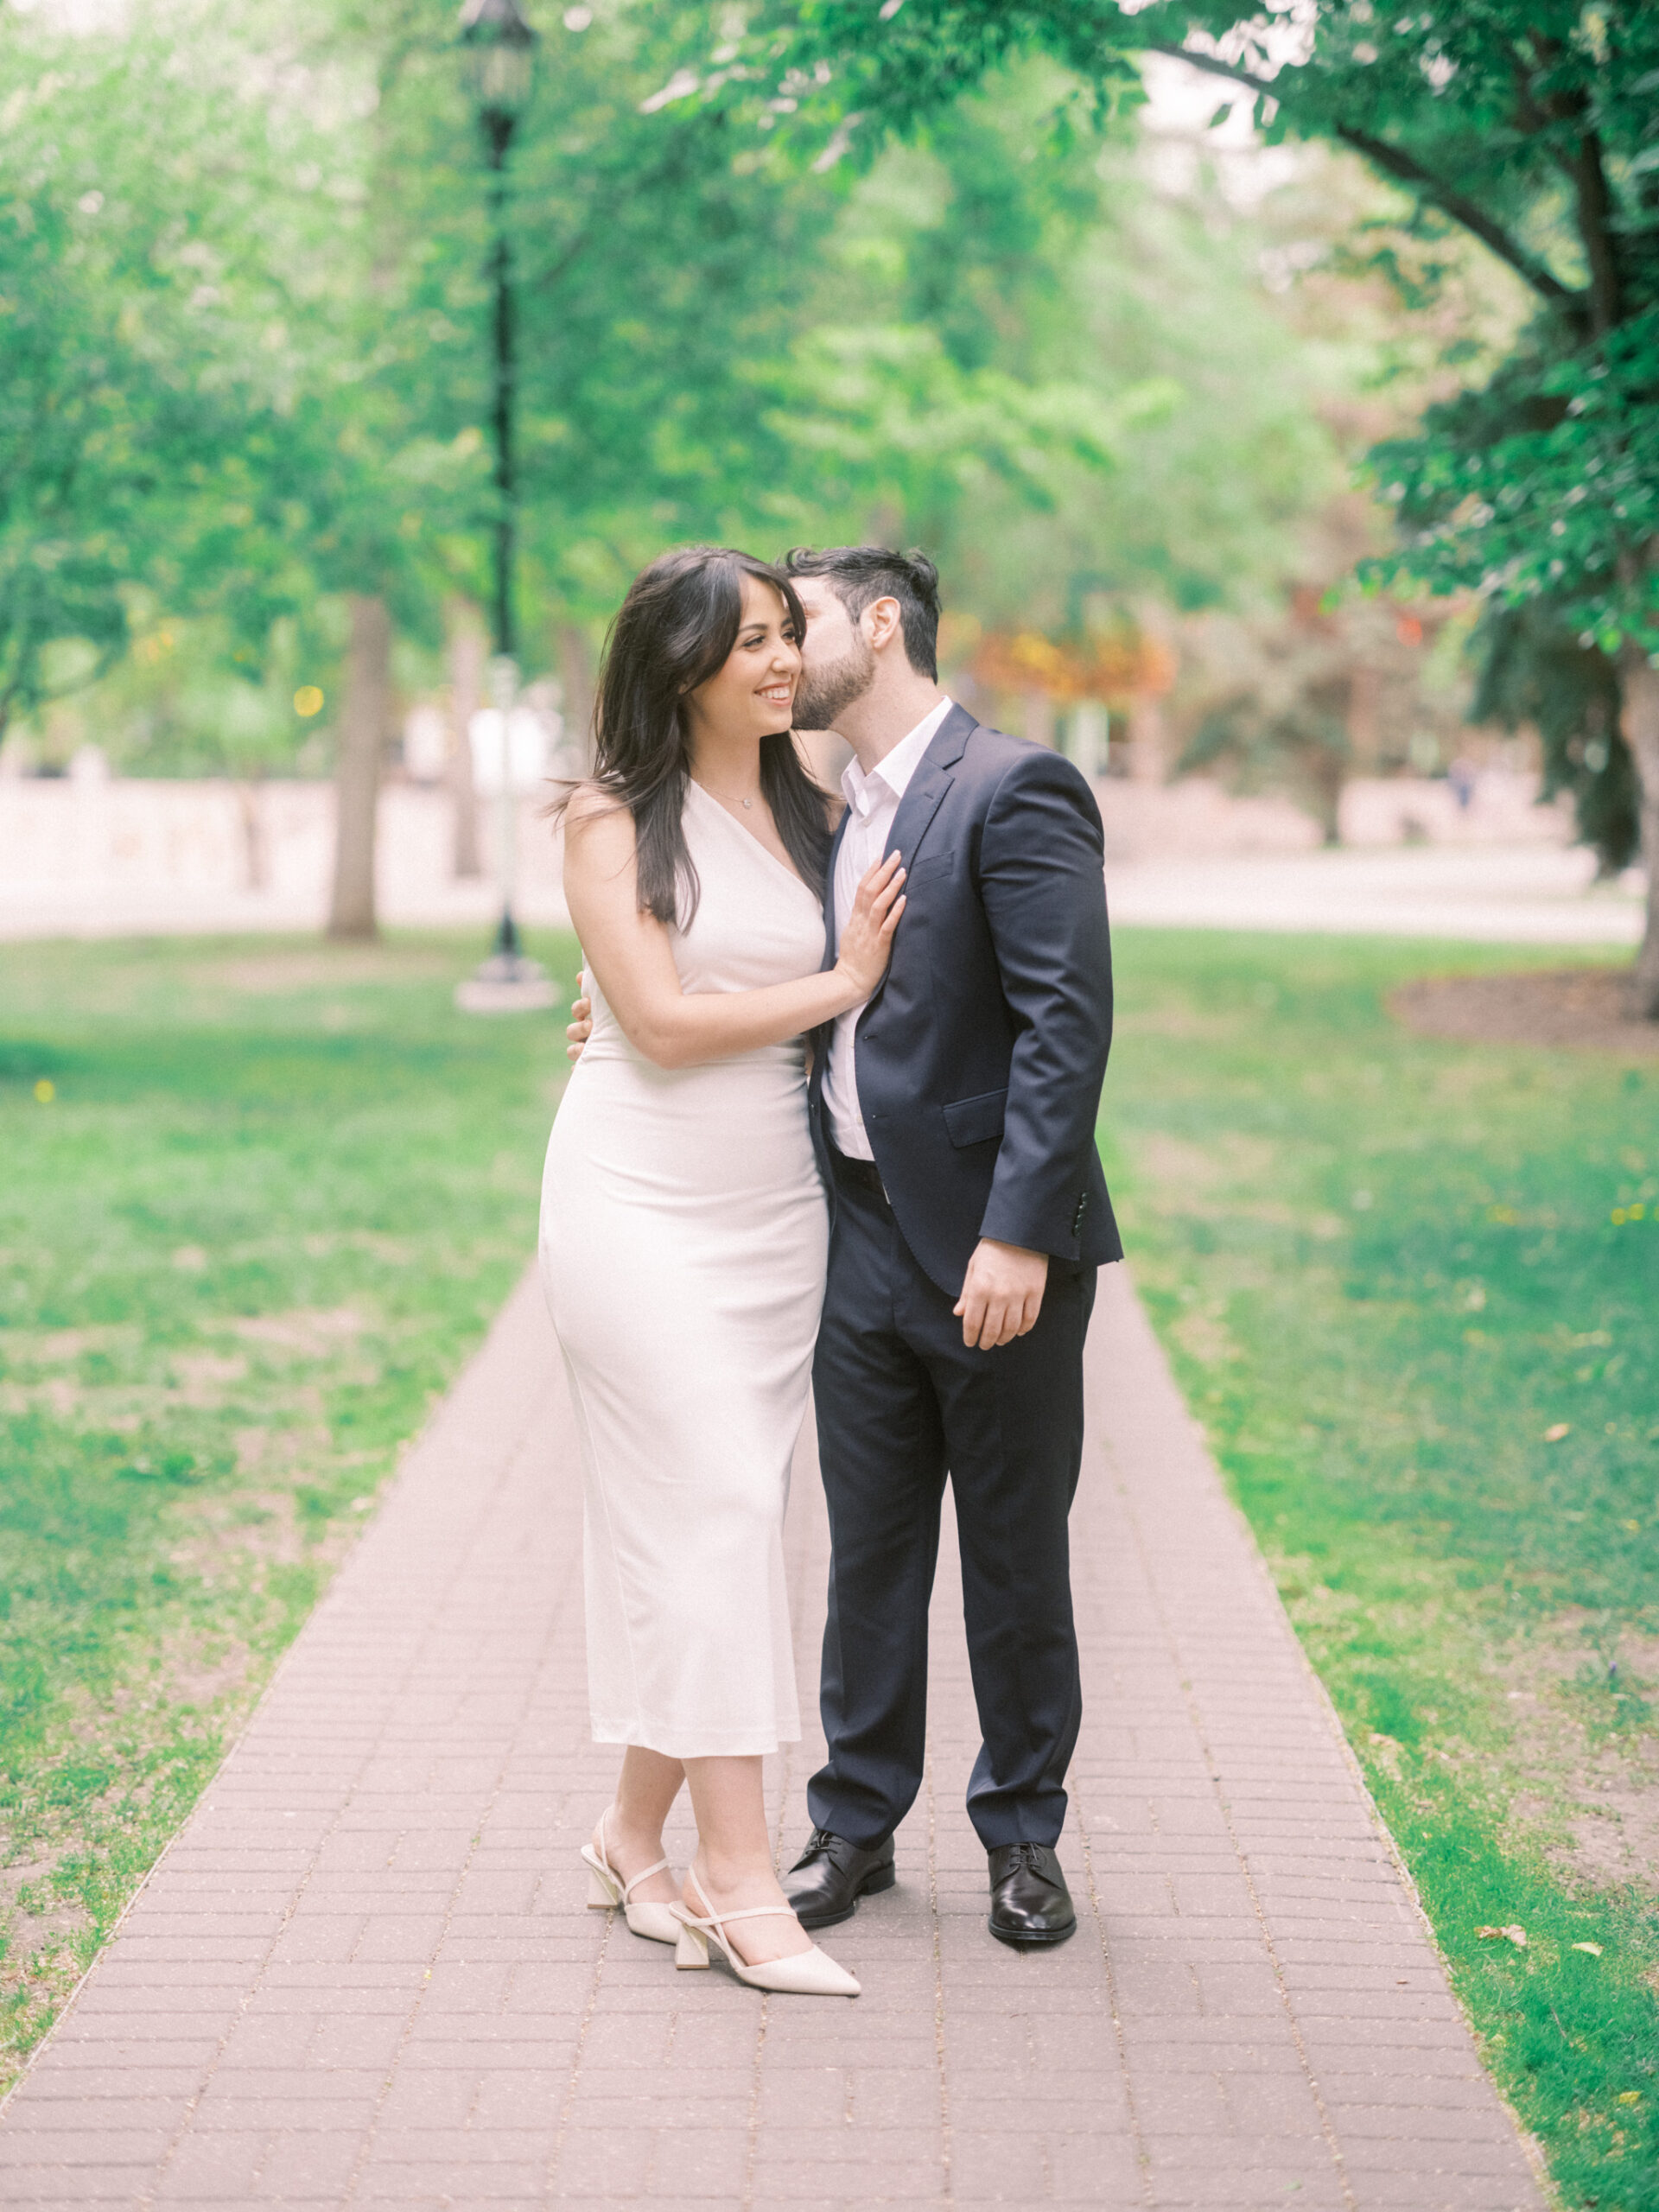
x,y
830,889
933,778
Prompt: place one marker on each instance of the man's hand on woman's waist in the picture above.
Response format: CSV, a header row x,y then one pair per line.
x,y
580,1027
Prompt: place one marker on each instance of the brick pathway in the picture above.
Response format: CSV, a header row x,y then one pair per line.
x,y
363,1974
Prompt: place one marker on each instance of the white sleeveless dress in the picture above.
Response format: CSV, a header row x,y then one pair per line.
x,y
683,1244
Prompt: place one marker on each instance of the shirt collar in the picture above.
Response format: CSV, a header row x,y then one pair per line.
x,y
894,769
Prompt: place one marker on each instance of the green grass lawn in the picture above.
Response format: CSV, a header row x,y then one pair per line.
x,y
257,1202
1412,1289
277,1190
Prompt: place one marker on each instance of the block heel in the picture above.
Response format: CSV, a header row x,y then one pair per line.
x,y
802,1973
606,1891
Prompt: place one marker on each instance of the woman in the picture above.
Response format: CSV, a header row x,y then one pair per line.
x,y
683,1230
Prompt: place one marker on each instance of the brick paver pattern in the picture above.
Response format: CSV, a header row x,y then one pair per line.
x,y
364,1974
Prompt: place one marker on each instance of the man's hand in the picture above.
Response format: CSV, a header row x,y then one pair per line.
x,y
582,1018
1001,1293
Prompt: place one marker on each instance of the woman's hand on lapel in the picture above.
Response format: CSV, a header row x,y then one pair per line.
x,y
866,944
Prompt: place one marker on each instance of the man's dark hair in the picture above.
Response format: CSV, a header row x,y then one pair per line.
x,y
860,575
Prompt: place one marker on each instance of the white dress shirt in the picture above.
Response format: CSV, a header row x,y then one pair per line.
x,y
872,803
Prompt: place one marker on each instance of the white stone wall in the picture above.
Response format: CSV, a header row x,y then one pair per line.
x,y
1197,816
88,853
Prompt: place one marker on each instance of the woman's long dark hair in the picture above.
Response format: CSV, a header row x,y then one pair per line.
x,y
674,630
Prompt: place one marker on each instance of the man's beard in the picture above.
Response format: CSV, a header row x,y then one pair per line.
x,y
823,692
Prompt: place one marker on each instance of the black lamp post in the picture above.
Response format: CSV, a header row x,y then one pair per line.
x,y
500,46
500,50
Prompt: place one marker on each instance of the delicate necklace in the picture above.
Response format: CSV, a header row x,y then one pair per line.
x,y
747,804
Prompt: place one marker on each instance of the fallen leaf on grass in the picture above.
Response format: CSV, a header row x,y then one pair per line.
x,y
1557,1430
1515,1936
1594,1950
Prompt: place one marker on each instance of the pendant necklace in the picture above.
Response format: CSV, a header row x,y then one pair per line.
x,y
747,805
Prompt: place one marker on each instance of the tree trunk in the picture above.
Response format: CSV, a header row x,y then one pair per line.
x,y
363,726
465,697
1036,718
1639,719
577,676
1327,772
1146,738
1364,701
256,855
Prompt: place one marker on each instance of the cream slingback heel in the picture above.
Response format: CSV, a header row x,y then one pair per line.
x,y
805,1974
607,1890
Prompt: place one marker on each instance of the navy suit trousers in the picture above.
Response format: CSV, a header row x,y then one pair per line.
x,y
900,1401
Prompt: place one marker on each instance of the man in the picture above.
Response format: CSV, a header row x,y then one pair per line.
x,y
954,1114
954,1118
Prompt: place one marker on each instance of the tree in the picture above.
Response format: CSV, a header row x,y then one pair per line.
x,y
204,402
1530,126
958,341
764,397
1533,669
129,356
1031,343
364,721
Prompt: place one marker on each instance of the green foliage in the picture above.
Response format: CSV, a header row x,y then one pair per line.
x,y
656,267
1544,486
1121,451
240,263
125,376
1388,1270
1534,670
190,697
822,357
1531,125
275,1199
967,345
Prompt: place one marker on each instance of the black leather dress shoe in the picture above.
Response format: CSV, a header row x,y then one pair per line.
x,y
828,1879
1030,1902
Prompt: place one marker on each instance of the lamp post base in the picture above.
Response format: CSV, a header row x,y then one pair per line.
x,y
507,983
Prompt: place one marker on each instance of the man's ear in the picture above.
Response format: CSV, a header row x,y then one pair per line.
x,y
881,620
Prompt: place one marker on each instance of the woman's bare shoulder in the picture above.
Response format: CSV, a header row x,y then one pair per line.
x,y
599,840
595,815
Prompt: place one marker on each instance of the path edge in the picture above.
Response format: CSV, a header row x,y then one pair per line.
x,y
408,1452
1532,2149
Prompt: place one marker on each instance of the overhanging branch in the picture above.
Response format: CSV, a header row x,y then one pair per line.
x,y
1405,167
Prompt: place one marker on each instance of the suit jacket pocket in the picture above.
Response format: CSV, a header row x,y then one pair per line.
x,y
975,1120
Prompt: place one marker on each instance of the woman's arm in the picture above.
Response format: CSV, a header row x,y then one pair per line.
x,y
630,953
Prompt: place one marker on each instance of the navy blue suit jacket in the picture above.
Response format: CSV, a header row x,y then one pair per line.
x,y
981,1056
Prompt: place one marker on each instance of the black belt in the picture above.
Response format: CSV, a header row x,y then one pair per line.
x,y
863,1174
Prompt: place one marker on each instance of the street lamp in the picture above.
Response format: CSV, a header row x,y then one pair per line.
x,y
499,46
500,50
